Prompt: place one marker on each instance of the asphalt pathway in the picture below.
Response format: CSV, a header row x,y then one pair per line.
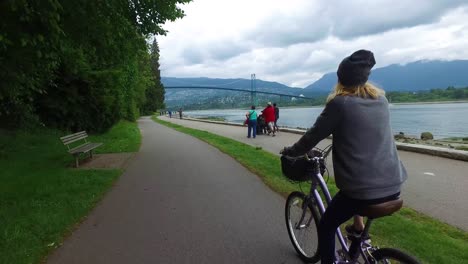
x,y
436,186
182,201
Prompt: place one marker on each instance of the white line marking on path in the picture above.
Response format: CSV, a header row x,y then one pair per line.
x,y
429,173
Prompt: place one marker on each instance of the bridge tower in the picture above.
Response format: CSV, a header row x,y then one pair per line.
x,y
253,90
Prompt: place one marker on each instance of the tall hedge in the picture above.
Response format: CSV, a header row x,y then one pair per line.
x,y
79,64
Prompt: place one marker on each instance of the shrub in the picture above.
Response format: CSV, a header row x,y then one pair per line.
x,y
426,136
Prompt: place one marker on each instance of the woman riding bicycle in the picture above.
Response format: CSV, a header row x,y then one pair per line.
x,y
365,160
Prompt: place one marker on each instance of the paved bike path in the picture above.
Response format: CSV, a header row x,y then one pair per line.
x,y
182,201
436,186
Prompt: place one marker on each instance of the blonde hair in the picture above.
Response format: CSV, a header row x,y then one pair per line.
x,y
367,90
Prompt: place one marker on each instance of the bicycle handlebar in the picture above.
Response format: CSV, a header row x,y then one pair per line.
x,y
306,156
327,149
323,153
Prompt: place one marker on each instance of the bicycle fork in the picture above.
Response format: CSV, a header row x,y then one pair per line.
x,y
305,205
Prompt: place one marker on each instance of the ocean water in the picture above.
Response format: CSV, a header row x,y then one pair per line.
x,y
441,119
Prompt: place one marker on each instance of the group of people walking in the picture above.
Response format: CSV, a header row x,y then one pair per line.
x,y
170,113
266,122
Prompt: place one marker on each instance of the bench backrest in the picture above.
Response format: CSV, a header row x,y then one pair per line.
x,y
73,138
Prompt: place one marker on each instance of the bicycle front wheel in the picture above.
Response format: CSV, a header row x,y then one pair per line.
x,y
302,224
391,256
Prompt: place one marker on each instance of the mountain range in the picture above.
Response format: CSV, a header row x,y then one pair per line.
x,y
415,76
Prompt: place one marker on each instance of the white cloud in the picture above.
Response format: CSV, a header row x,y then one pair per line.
x,y
295,42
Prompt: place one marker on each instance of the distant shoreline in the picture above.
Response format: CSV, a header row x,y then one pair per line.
x,y
434,102
407,103
320,106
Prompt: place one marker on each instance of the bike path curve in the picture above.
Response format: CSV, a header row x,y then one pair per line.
x,y
436,186
181,201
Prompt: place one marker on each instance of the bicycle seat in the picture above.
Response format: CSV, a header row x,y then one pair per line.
x,y
382,209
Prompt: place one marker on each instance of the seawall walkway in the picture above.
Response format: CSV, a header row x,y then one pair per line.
x,y
171,205
436,185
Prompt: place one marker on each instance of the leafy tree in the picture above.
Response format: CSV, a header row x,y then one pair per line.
x,y
80,64
30,34
450,93
459,94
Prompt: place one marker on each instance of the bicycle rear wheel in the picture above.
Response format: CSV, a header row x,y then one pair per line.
x,y
303,234
392,256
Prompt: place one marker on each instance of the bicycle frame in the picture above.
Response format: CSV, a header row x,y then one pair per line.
x,y
318,181
314,196
360,245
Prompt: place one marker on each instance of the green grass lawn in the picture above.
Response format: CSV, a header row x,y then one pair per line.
x,y
123,137
41,198
426,238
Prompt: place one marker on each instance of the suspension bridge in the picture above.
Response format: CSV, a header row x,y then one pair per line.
x,y
253,93
253,90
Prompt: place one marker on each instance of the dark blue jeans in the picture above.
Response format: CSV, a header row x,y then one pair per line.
x,y
252,125
339,211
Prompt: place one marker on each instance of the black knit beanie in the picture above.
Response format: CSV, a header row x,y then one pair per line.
x,y
355,69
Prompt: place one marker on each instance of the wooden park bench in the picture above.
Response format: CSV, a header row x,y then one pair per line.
x,y
79,147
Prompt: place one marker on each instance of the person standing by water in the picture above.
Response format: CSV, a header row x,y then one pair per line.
x,y
269,114
276,117
365,159
180,113
252,122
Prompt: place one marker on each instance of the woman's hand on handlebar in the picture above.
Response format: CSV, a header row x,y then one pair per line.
x,y
287,151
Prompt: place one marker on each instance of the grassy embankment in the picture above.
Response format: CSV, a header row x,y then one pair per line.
x,y
458,143
429,240
461,143
213,118
41,197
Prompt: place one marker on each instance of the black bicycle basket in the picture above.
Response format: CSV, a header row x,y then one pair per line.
x,y
298,169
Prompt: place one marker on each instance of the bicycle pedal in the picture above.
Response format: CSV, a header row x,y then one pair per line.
x,y
353,237
342,255
341,262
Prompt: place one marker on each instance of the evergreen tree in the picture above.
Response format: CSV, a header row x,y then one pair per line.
x,y
154,93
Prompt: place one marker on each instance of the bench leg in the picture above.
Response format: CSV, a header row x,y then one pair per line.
x,y
91,154
76,161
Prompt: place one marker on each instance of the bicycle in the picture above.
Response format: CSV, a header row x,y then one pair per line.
x,y
303,213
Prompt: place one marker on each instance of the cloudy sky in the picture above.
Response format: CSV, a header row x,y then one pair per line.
x,y
295,42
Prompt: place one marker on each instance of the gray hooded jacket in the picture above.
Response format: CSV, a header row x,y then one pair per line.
x,y
365,159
